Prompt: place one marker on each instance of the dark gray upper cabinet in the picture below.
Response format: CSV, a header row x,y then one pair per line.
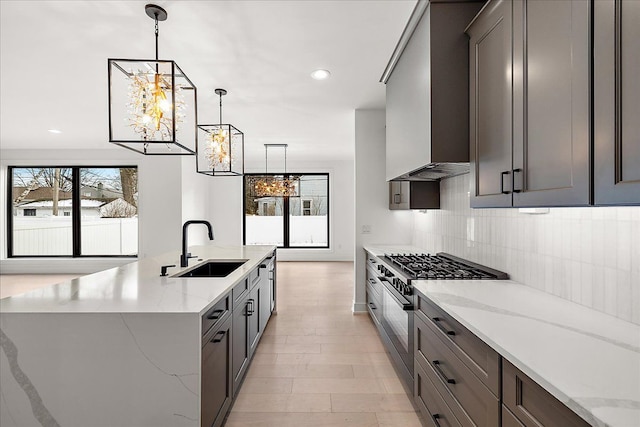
x,y
414,195
427,93
529,89
490,119
616,102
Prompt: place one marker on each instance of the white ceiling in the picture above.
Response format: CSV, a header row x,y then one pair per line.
x,y
53,66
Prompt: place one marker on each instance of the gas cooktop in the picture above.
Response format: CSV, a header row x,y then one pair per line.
x,y
442,266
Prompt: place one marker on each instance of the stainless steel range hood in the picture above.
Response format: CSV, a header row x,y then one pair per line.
x,y
427,85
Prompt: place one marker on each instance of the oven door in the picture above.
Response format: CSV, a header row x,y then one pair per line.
x,y
398,323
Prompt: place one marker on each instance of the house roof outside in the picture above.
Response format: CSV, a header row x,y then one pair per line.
x,y
67,203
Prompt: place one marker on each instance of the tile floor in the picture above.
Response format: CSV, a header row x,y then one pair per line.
x,y
318,364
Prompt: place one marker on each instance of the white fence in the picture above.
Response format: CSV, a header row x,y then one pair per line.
x,y
304,230
53,236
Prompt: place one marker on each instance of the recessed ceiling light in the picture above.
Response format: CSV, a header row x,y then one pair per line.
x,y
320,74
55,131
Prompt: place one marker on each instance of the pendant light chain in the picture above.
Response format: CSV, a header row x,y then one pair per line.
x,y
156,33
220,107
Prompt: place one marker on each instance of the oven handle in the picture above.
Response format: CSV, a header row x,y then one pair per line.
x,y
406,306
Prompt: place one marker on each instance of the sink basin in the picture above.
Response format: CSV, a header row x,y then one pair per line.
x,y
220,268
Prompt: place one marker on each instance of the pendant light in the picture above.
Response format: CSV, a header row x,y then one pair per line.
x,y
152,103
220,149
276,186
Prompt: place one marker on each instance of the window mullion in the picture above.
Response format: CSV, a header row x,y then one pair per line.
x,y
76,211
285,218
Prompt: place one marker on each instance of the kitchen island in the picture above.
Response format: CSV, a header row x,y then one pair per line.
x,y
121,347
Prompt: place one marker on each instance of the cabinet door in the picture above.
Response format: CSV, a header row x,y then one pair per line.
x,y
551,147
216,384
240,343
490,120
265,300
531,404
253,319
616,105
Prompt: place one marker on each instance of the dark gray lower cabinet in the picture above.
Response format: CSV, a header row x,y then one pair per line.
x,y
470,401
240,342
231,331
216,382
253,319
434,410
531,404
460,381
508,419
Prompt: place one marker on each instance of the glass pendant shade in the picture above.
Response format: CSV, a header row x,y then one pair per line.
x,y
276,185
152,103
151,112
220,148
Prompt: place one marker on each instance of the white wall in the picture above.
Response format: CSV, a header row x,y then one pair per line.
x,y
590,256
160,204
195,201
226,210
371,197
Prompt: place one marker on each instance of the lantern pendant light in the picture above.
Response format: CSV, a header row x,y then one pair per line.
x,y
220,149
152,103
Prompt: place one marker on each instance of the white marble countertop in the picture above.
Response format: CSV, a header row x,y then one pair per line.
x,y
588,360
138,288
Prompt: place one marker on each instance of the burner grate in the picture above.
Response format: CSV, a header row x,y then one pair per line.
x,y
442,266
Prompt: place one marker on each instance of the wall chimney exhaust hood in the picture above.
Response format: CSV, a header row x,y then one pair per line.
x,y
427,85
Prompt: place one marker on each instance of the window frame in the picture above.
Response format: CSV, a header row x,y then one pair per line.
x,y
76,224
286,208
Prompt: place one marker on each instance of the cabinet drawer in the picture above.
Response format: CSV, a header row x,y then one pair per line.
x,y
374,283
254,277
374,306
532,404
215,314
239,291
461,389
481,359
435,412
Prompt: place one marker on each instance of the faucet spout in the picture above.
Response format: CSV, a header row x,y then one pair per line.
x,y
184,257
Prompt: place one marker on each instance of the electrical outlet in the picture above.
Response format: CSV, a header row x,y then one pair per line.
x,y
366,229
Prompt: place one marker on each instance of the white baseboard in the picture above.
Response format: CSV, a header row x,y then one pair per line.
x,y
359,307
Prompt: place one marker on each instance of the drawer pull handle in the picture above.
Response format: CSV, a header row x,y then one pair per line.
x,y
215,315
436,320
220,334
250,308
435,418
436,366
373,306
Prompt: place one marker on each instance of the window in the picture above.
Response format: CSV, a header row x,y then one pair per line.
x,y
73,211
300,221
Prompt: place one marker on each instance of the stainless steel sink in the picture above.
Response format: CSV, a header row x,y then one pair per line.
x,y
213,268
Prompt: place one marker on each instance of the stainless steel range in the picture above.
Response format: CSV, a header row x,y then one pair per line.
x,y
393,274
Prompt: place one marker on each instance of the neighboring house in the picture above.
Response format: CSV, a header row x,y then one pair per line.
x,y
96,201
98,192
44,208
312,200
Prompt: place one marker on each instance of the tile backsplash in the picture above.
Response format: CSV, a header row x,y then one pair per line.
x,y
590,256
